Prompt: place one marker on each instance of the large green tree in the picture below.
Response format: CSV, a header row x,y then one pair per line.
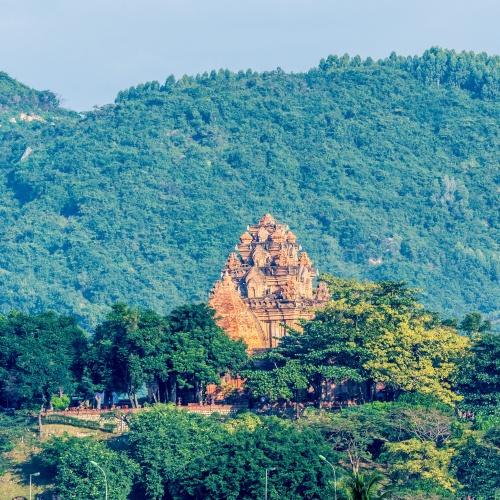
x,y
479,378
76,467
236,468
368,332
411,440
474,323
165,442
182,455
201,350
186,350
130,349
40,355
477,462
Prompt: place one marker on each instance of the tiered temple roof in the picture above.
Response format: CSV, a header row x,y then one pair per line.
x,y
266,286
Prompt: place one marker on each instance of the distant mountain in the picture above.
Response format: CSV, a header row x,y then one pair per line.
x,y
16,96
384,170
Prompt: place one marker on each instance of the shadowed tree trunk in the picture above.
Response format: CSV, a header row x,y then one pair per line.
x,y
163,395
40,426
199,392
172,388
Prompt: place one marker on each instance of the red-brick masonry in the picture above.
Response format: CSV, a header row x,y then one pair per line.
x,y
195,408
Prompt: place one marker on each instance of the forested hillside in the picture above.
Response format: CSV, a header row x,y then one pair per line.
x,y
384,170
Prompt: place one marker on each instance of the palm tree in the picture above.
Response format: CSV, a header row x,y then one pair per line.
x,y
365,487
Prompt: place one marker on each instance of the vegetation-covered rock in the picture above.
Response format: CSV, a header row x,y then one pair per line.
x,y
385,170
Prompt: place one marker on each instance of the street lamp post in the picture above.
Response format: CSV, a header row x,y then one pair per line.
x,y
322,457
35,474
95,464
265,485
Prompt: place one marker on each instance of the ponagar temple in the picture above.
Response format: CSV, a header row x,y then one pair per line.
x,y
266,286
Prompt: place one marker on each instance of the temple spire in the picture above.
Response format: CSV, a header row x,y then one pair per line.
x,y
272,282
267,219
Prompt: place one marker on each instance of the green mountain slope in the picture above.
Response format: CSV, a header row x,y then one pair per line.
x,y
383,169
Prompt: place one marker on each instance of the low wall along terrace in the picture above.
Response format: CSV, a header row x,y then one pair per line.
x,y
102,419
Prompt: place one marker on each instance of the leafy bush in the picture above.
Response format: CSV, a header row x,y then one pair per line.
x,y
60,402
69,463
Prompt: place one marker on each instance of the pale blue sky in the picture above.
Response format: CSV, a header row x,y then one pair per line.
x,y
88,50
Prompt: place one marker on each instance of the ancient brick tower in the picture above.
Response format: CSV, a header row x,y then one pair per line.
x,y
266,286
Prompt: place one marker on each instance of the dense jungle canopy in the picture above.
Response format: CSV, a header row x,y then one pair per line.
x,y
384,169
